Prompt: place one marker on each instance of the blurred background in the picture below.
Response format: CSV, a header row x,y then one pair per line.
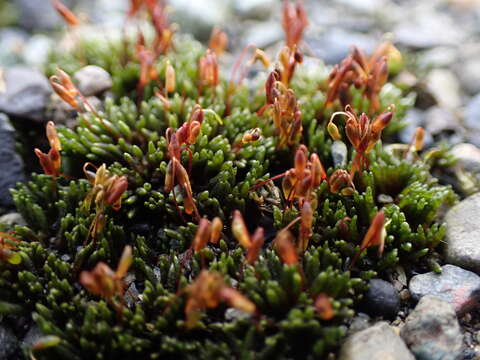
x,y
439,40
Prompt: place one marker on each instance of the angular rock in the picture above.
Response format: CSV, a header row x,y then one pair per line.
x,y
463,231
26,94
379,342
432,331
92,80
8,343
381,299
454,285
11,165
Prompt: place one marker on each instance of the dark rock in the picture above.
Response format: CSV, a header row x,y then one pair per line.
x,y
381,299
11,165
454,285
26,94
377,342
432,331
8,343
463,231
92,80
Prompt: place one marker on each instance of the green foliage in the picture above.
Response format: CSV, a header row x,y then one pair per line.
x,y
131,140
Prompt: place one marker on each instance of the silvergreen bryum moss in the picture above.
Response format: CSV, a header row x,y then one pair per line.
x,y
130,139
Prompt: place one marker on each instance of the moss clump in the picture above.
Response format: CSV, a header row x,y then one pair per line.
x,y
131,135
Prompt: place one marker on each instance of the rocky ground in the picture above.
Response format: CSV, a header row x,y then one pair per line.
x,y
425,316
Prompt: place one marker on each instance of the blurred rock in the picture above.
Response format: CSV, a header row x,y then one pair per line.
x,y
12,42
454,285
263,34
255,9
11,165
200,16
463,232
33,335
469,74
377,342
438,120
39,15
414,118
26,94
381,299
92,80
445,87
468,156
37,49
441,56
432,331
472,113
335,44
13,219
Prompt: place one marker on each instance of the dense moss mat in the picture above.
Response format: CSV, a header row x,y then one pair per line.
x,y
55,245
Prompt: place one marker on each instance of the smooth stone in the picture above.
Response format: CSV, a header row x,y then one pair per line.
x,y
454,285
441,56
11,165
463,232
378,342
92,80
438,120
39,15
413,119
26,94
12,42
468,156
432,331
381,299
469,75
8,343
445,87
13,219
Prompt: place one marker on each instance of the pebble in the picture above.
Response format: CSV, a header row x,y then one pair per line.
x,y
92,80
468,156
472,113
378,342
13,218
381,299
454,285
445,87
463,231
263,34
432,331
11,165
438,120
26,94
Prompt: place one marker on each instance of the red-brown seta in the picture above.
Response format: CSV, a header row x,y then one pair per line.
x,y
107,191
362,133
207,291
52,161
177,141
207,232
8,249
253,244
109,284
366,73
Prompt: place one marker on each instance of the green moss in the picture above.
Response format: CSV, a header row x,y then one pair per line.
x,y
130,140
